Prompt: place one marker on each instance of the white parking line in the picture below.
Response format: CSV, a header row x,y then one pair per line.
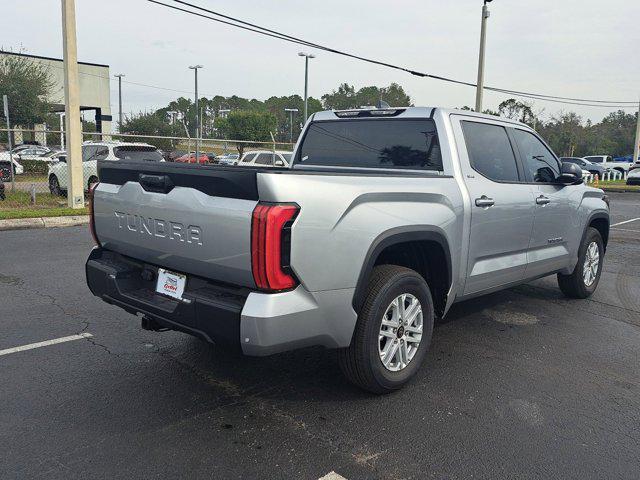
x,y
332,476
624,230
46,343
626,221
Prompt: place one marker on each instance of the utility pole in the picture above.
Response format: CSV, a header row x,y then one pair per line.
x,y
72,105
291,112
306,56
5,101
195,71
483,38
636,146
119,77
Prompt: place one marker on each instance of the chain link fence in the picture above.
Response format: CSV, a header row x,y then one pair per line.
x,y
34,174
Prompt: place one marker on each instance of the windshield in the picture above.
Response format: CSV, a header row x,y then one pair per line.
x,y
375,143
137,153
287,157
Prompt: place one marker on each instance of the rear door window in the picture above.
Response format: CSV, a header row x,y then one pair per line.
x,y
490,151
248,157
374,143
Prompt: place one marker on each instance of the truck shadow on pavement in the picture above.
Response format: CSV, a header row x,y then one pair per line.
x,y
313,373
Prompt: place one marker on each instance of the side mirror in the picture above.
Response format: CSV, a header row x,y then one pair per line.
x,y
570,174
278,163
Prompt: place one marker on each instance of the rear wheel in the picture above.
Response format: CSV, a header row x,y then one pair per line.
x,y
583,281
393,331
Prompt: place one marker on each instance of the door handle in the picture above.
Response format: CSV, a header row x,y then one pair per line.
x,y
542,200
484,201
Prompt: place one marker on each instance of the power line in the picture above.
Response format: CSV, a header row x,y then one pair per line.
x,y
289,38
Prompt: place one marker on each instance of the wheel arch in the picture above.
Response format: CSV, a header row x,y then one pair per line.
x,y
600,221
416,240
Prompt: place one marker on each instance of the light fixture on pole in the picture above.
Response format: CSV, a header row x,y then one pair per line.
x,y
195,71
291,112
306,56
119,77
483,37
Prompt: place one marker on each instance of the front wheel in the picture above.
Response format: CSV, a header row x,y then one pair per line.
x,y
393,331
583,281
54,186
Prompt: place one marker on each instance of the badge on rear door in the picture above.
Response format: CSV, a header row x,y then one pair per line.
x,y
171,283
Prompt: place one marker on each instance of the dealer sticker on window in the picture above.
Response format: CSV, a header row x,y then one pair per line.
x,y
171,283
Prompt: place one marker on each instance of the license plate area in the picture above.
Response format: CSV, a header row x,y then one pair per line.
x,y
170,283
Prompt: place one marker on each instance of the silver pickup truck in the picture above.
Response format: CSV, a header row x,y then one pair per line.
x,y
385,218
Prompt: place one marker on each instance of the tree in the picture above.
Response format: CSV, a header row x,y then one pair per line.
x,y
516,110
28,85
346,97
248,126
156,124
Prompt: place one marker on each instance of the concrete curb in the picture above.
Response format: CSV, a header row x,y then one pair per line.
x,y
43,222
620,190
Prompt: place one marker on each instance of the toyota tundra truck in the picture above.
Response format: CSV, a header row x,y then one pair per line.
x,y
384,219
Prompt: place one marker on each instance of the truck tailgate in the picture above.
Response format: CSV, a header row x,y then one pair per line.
x,y
187,218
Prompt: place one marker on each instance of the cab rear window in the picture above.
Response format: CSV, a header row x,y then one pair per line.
x,y
375,143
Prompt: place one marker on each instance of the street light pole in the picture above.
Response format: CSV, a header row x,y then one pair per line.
x,y
291,112
195,71
306,56
119,77
636,147
483,38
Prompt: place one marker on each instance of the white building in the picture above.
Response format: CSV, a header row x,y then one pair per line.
x,y
94,87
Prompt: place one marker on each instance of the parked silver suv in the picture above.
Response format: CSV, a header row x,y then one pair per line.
x,y
385,218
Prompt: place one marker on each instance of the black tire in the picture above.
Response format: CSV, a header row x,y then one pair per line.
x,y
360,362
54,186
573,285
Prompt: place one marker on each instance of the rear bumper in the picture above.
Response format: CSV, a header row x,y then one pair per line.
x,y
252,322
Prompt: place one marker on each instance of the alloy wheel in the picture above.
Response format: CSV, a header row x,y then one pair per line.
x,y
400,332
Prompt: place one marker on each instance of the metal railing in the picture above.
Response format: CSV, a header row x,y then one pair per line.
x,y
35,175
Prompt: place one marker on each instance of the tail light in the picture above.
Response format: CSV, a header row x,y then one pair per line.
x,y
271,246
92,222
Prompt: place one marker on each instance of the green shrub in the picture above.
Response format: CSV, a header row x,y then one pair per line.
x,y
34,166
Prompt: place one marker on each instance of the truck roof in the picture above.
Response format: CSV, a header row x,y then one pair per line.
x,y
406,112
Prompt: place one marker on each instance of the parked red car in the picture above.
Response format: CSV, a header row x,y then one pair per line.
x,y
191,158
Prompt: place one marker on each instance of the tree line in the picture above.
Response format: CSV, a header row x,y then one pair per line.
x,y
28,85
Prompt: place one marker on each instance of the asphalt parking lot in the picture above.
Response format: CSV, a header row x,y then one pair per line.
x,y
519,384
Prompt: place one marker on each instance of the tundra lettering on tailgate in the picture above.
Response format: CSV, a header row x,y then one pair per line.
x,y
160,228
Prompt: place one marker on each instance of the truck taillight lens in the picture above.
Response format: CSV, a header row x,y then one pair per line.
x,y
92,223
271,246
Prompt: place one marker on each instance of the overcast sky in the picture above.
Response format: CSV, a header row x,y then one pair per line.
x,y
573,48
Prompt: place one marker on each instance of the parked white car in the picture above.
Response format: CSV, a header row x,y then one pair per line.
x,y
17,168
91,153
266,158
634,175
607,162
228,159
35,152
